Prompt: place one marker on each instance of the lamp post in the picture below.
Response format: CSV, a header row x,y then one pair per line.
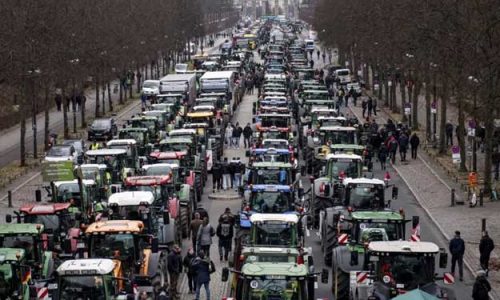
x,y
474,81
32,73
434,103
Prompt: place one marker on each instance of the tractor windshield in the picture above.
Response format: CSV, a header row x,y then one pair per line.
x,y
280,288
409,270
272,157
271,202
279,122
130,212
275,234
84,287
112,246
144,123
50,222
365,197
271,176
136,135
6,280
174,147
351,168
370,231
338,137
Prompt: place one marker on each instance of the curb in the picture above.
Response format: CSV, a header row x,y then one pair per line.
x,y
223,197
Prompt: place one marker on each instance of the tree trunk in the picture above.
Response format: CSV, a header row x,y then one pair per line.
x,y
386,91
110,101
97,103
139,79
103,90
120,90
460,130
22,152
490,128
46,129
428,131
82,108
442,121
65,113
414,110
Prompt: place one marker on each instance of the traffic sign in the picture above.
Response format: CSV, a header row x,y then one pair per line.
x,y
434,107
342,239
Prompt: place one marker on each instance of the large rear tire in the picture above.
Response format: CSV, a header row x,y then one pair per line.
x,y
185,217
328,239
160,281
340,286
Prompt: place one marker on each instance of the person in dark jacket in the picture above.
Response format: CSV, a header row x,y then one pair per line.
x,y
187,262
226,174
382,156
495,159
225,234
203,267
457,250
414,143
369,105
247,135
193,229
364,106
217,177
481,287
174,267
449,133
486,246
403,146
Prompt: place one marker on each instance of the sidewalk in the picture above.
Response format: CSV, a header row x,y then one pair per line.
x,y
432,189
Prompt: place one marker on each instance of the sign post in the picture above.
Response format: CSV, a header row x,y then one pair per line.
x,y
455,154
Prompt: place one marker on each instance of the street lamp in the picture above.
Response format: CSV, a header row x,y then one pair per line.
x,y
472,130
434,103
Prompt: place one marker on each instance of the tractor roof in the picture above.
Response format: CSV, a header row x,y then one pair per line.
x,y
177,140
343,156
93,166
86,267
270,188
274,269
269,164
134,129
105,152
403,247
184,131
373,181
288,218
116,142
347,146
135,198
375,216
200,114
269,250
258,151
160,165
11,254
20,229
150,180
337,128
43,209
85,182
115,226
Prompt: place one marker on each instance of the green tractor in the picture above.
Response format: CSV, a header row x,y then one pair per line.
x,y
326,189
140,135
15,274
363,227
399,267
32,240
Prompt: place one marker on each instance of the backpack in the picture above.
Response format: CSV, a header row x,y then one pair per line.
x,y
394,145
225,230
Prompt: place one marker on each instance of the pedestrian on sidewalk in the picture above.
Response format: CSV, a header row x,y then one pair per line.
x,y
414,143
194,228
203,268
382,156
247,135
324,57
481,287
457,250
174,267
317,54
392,148
58,100
352,93
237,174
495,159
369,106
449,133
225,234
187,262
226,175
229,135
231,170
205,234
143,100
486,246
403,146
374,106
311,63
217,177
227,213
364,106
239,131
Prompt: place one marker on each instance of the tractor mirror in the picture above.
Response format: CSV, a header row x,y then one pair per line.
x,y
154,245
38,195
324,276
443,259
166,217
225,274
395,192
8,218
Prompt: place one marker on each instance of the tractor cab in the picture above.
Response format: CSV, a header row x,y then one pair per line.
x,y
130,146
97,173
140,135
160,186
363,194
275,143
271,173
274,122
90,279
81,197
161,169
272,155
331,135
117,161
275,230
152,124
14,274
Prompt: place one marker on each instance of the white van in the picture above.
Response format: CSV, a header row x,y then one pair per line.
x,y
151,87
343,76
310,45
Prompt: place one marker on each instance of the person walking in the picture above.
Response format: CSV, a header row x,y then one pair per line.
x,y
369,106
449,133
234,140
457,250
229,135
495,159
203,267
318,54
392,147
59,101
225,234
143,100
324,57
481,287
353,94
374,106
414,143
174,267
403,146
226,174
205,234
247,135
227,213
217,177
237,174
239,131
382,156
187,262
364,106
486,246
194,227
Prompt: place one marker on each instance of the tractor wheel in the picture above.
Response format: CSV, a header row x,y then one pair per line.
x,y
328,240
185,220
340,284
159,281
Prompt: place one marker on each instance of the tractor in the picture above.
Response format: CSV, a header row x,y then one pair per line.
x,y
141,259
15,274
140,135
398,267
119,165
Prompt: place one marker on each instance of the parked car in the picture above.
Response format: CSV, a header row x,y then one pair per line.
x,y
79,146
102,129
151,87
62,153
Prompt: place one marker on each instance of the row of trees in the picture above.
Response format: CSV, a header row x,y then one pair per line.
x,y
448,48
65,45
